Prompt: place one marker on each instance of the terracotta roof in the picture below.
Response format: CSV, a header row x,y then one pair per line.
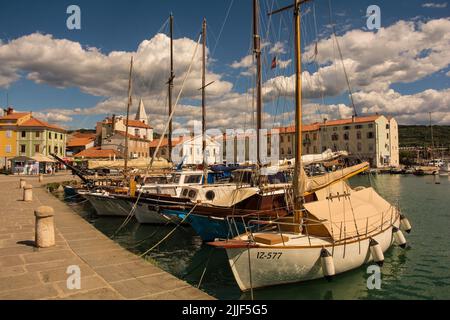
x,y
33,122
165,142
79,142
83,135
97,153
15,116
316,126
132,123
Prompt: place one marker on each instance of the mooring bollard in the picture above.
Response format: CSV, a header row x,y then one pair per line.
x,y
28,193
23,182
45,229
41,177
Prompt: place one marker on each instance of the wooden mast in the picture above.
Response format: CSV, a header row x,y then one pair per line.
x,y
432,139
298,193
205,164
170,84
257,52
130,84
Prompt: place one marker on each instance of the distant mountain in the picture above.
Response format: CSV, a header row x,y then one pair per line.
x,y
421,136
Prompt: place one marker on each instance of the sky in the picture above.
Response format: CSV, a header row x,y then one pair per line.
x,y
77,77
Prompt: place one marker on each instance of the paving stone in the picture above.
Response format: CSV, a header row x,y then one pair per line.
x,y
9,261
97,294
31,293
19,281
88,283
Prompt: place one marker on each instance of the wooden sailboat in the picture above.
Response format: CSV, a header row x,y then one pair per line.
x,y
339,230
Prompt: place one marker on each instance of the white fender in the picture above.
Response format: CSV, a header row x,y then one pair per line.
x,y
399,237
404,224
327,264
376,252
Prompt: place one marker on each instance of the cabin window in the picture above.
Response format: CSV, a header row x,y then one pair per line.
x,y
193,179
185,192
192,194
210,195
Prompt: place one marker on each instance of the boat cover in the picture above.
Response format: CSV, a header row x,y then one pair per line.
x,y
235,196
357,213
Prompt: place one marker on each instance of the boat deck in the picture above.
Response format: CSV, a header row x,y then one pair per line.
x,y
108,271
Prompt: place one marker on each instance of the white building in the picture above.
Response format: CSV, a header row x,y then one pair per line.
x,y
189,149
139,127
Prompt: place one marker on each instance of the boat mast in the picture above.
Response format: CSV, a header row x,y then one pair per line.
x,y
298,193
205,164
432,139
130,101
170,85
257,52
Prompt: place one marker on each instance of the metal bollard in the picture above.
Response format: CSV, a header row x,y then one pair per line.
x,y
45,229
28,193
23,182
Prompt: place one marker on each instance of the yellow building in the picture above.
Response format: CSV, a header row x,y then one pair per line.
x,y
8,134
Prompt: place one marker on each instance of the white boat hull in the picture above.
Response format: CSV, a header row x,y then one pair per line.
x,y
276,265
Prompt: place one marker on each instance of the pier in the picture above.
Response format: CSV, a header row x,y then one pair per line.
x,y
108,271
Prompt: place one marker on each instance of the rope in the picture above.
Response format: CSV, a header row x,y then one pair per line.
x,y
169,234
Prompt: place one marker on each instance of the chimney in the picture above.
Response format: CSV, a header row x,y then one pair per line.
x,y
9,111
325,120
353,118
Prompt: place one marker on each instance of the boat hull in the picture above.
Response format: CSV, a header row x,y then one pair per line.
x,y
106,205
277,265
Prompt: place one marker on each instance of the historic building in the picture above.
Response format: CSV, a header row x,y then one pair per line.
x,y
23,135
370,138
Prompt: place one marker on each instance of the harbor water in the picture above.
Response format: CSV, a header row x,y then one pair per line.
x,y
421,271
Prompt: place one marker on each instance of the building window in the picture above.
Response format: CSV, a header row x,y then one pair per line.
x,y
56,136
8,149
370,135
23,134
55,149
335,128
37,148
289,138
324,148
334,137
307,149
359,146
23,148
314,136
346,136
289,151
359,126
347,128
49,149
9,134
371,125
61,136
370,147
315,149
358,135
281,139
49,135
387,135
282,151
38,134
387,126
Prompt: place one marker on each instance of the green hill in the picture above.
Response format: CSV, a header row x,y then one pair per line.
x,y
421,136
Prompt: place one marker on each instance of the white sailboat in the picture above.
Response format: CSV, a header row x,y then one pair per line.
x,y
336,230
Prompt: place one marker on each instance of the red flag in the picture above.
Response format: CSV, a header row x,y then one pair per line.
x,y
274,62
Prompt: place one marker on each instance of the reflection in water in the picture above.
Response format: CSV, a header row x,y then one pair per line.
x,y
419,272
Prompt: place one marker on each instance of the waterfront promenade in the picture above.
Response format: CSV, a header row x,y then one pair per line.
x,y
108,271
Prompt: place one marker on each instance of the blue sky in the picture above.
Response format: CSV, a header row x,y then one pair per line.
x,y
123,25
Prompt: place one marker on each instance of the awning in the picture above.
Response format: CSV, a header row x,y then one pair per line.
x,y
22,159
41,158
358,213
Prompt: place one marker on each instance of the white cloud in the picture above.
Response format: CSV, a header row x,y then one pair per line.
x,y
278,48
435,5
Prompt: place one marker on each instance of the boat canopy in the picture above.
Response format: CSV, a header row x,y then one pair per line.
x,y
319,182
326,156
142,164
349,215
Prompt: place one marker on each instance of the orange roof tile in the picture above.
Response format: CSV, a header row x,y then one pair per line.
x,y
97,153
122,133
15,116
79,142
33,122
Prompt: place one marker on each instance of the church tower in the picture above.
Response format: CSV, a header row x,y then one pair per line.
x,y
141,115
